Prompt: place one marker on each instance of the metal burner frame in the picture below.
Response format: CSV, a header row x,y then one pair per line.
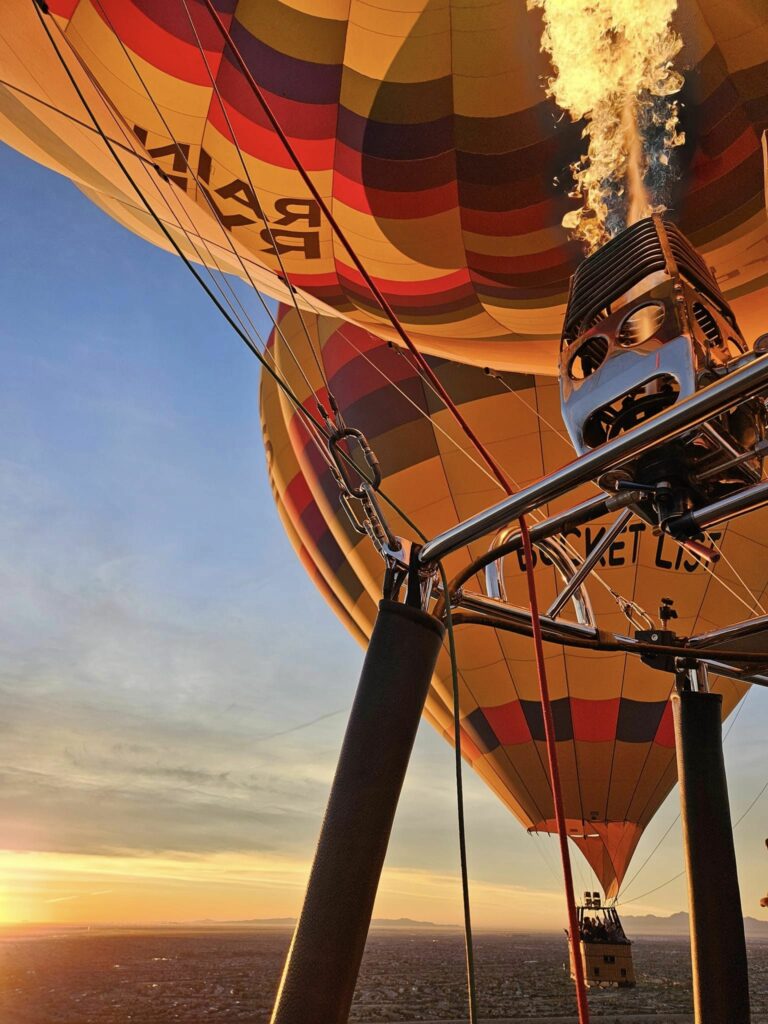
x,y
736,649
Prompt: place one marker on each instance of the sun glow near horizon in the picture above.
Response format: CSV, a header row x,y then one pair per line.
x,y
68,889
39,888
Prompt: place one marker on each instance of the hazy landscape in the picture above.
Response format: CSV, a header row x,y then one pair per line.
x,y
209,975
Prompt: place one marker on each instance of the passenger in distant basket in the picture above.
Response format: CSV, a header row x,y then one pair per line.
x,y
587,930
599,931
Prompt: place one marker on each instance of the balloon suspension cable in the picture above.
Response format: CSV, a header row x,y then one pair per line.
x,y
680,874
631,882
489,461
468,945
231,318
389,313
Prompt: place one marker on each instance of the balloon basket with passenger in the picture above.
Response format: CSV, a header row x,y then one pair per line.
x,y
606,952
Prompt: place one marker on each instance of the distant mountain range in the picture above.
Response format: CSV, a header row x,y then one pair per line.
x,y
377,922
677,924
648,924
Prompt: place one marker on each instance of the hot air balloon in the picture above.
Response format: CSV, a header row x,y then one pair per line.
x,y
612,713
426,128
399,173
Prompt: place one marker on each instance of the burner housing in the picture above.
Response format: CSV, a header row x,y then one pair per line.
x,y
647,325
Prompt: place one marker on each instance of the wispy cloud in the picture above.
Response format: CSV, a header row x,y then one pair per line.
x,y
79,896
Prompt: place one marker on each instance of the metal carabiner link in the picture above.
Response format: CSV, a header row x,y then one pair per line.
x,y
366,518
345,501
383,536
343,464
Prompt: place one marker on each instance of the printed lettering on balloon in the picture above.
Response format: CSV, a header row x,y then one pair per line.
x,y
625,549
292,225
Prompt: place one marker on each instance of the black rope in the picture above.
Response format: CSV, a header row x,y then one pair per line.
x,y
413,593
281,263
468,941
282,384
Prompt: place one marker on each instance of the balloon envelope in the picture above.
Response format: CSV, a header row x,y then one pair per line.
x,y
425,125
612,713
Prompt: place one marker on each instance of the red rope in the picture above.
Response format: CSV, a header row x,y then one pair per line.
x,y
495,469
554,772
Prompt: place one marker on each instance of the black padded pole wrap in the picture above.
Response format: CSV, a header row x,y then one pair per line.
x,y
321,969
718,947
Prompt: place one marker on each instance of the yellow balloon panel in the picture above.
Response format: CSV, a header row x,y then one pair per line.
x,y
424,125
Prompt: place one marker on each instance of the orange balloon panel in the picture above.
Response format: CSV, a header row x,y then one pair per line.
x,y
424,124
612,713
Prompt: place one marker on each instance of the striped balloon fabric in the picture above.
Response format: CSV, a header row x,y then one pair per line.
x,y
425,126
612,714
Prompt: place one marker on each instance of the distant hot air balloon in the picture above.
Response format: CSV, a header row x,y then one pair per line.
x,y
612,713
424,125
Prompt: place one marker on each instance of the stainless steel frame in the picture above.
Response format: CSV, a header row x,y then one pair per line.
x,y
739,633
510,540
718,668
747,500
522,616
589,563
562,631
734,389
562,561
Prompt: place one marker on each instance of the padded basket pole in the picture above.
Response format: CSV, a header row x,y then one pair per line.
x,y
718,946
323,961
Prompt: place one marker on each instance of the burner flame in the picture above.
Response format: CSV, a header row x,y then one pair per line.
x,y
613,64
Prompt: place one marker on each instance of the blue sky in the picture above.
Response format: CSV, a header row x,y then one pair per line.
x,y
158,631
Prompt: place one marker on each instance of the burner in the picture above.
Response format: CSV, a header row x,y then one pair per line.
x,y
646,325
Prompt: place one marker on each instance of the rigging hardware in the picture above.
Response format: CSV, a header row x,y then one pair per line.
x,y
646,327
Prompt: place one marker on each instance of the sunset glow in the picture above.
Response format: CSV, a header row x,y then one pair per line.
x,y
51,888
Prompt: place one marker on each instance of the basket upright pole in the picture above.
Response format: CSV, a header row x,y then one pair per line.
x,y
321,969
718,945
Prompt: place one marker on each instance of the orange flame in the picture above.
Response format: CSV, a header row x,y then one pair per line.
x,y
613,68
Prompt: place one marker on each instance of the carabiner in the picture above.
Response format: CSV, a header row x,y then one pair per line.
x,y
342,465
